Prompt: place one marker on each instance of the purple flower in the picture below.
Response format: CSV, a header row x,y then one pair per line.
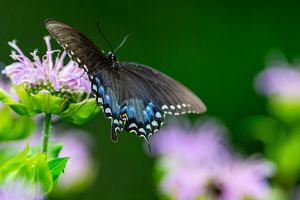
x,y
21,189
279,80
197,164
46,76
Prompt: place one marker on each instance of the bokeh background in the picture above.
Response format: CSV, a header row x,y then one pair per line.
x,y
215,48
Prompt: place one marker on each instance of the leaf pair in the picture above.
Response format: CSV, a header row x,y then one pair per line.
x,y
33,176
30,105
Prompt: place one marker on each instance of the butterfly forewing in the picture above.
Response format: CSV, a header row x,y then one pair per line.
x,y
82,50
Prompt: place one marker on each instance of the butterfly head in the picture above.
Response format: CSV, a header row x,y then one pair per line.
x,y
113,60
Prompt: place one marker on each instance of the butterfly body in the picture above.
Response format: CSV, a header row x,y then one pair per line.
x,y
129,93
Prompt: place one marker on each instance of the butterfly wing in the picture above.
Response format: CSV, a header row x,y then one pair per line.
x,y
82,50
141,96
137,94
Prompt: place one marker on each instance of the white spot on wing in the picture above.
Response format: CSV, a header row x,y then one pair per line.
x,y
148,127
99,100
133,125
164,107
184,105
158,115
172,107
142,130
154,123
107,110
72,53
116,122
85,67
79,61
94,87
179,106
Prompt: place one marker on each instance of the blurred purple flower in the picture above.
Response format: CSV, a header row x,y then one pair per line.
x,y
197,163
80,169
197,145
21,190
45,76
279,80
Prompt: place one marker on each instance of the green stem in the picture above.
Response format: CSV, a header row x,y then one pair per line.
x,y
46,132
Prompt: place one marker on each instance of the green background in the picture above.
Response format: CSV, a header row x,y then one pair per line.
x,y
215,48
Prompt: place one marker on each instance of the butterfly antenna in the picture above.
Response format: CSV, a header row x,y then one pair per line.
x,y
122,42
104,36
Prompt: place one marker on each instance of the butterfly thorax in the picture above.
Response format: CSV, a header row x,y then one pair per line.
x,y
113,61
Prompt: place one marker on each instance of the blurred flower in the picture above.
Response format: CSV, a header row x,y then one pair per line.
x,y
80,170
21,189
197,164
281,80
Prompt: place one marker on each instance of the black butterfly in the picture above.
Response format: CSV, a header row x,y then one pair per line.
x,y
134,93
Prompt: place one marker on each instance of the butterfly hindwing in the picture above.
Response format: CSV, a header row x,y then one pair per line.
x,y
106,98
82,50
144,96
170,95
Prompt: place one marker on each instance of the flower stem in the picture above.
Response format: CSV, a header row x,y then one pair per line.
x,y
46,132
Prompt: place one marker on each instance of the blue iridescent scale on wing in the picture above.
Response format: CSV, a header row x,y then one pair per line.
x,y
138,114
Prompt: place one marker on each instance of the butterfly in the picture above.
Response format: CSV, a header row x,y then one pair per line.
x,y
129,93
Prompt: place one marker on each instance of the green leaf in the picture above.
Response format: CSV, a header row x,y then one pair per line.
x,y
20,157
56,167
80,113
262,128
53,149
39,103
14,127
8,100
286,156
33,172
286,110
7,122
22,128
30,105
